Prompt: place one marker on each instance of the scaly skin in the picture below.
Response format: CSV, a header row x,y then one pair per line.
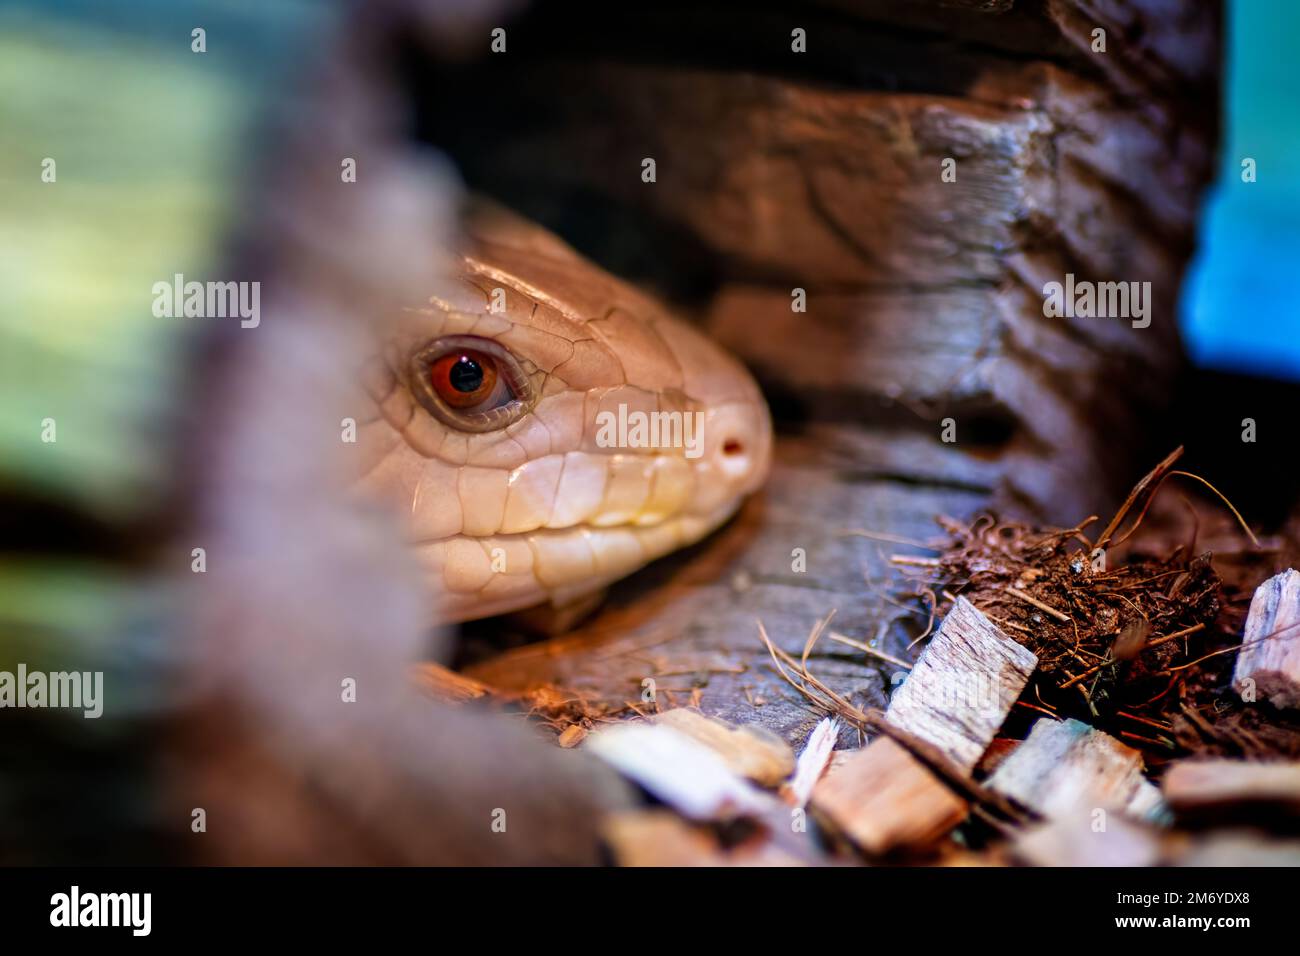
x,y
568,515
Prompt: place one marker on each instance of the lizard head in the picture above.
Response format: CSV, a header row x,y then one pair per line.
x,y
549,429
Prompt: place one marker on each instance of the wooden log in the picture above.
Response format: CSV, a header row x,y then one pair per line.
x,y
1268,665
1066,769
1223,791
963,686
851,173
1159,53
924,297
883,800
1150,50
869,344
752,752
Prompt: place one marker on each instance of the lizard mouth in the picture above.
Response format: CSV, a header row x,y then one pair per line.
x,y
495,574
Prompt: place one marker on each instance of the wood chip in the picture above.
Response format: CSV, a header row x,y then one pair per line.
x,y
761,853
963,686
679,770
1268,665
1131,640
753,752
813,760
1073,841
658,838
882,799
573,735
998,751
838,759
1226,790
446,685
1068,770
662,838
1241,848
956,698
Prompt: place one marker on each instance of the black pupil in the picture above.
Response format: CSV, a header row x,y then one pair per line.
x,y
466,375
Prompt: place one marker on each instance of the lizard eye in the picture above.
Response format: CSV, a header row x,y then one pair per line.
x,y
464,378
470,383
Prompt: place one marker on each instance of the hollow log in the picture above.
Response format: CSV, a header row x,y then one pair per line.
x,y
821,173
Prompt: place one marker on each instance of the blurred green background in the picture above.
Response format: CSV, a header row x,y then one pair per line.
x,y
152,144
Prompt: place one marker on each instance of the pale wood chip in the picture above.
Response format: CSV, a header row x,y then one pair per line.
x,y
1068,769
753,752
1268,665
963,686
679,770
813,760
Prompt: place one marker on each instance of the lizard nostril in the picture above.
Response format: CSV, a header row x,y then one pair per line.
x,y
734,459
738,446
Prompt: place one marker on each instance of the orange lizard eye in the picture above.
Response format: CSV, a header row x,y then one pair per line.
x,y
463,378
